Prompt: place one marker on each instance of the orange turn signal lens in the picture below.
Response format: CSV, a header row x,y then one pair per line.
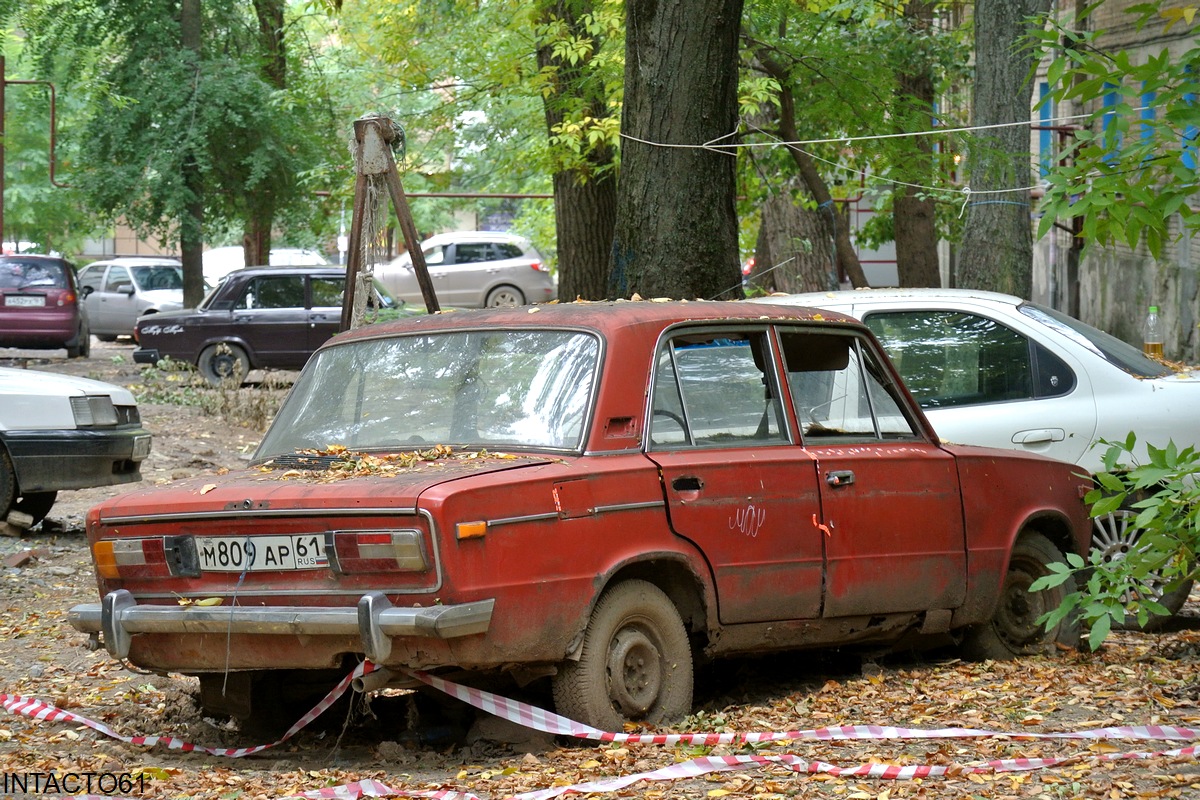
x,y
470,530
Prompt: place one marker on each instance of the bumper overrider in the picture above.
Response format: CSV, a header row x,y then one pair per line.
x,y
119,616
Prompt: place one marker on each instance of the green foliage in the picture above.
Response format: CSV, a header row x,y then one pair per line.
x,y
843,62
1127,172
1162,496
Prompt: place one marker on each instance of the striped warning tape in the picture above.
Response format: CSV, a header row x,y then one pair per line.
x,y
549,722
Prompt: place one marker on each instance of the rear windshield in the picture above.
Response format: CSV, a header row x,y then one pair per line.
x,y
1119,353
32,273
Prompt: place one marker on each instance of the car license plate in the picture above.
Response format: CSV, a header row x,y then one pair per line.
x,y
25,300
261,553
141,447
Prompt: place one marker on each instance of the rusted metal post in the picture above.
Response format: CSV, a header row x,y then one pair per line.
x,y
373,137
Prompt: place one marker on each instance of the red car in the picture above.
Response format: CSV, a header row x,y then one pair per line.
x,y
40,307
595,493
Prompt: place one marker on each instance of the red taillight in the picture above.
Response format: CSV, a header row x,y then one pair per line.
x,y
378,551
539,266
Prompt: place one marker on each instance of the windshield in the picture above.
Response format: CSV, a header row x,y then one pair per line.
x,y
159,277
471,389
1119,353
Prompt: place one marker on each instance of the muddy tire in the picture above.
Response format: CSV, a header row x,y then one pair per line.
x,y
1013,629
223,363
8,485
1113,536
635,665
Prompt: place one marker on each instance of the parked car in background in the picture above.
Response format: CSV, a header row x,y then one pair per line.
x,y
40,306
256,318
473,269
119,290
220,261
995,370
61,432
592,494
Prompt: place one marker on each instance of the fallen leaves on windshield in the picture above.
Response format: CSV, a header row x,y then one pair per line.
x,y
337,461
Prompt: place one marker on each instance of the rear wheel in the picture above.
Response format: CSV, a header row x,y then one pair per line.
x,y
505,296
1013,629
106,337
224,362
1114,537
8,485
83,344
635,664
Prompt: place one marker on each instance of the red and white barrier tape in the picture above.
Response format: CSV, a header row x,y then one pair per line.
x,y
549,722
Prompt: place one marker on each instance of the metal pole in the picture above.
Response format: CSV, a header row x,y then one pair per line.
x,y
3,147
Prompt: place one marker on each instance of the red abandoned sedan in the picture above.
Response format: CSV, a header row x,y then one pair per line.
x,y
597,493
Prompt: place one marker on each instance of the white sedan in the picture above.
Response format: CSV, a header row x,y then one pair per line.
x,y
992,369
63,432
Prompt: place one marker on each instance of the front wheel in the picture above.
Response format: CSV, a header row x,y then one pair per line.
x,y
36,505
505,297
635,664
224,363
1014,629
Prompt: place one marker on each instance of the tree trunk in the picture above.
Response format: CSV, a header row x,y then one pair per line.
x,y
676,231
794,251
256,236
997,247
847,259
191,227
585,197
913,214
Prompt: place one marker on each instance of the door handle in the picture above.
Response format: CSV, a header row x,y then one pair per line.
x,y
840,477
687,483
1040,436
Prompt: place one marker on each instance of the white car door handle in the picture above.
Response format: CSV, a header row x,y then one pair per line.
x,y
1039,436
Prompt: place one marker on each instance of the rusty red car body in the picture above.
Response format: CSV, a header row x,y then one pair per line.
x,y
597,492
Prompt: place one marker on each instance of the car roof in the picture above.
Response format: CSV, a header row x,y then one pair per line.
x,y
905,295
133,261
611,318
474,236
289,269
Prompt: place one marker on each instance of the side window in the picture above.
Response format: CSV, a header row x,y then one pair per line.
x,y
1054,377
91,276
840,390
949,358
117,277
506,250
471,252
274,291
716,389
327,292
435,255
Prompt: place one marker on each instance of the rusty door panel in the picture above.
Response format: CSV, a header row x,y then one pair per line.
x,y
895,521
751,512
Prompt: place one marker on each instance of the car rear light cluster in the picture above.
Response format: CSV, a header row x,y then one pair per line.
x,y
539,266
376,551
150,557
94,411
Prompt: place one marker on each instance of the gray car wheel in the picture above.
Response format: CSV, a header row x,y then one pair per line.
x,y
223,363
1114,536
505,297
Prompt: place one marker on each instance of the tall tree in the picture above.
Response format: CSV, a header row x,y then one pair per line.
x,y
997,252
676,232
913,213
581,120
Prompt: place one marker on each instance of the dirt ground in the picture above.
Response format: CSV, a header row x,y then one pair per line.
x,y
1134,680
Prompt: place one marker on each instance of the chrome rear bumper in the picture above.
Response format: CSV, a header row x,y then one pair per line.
x,y
119,616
